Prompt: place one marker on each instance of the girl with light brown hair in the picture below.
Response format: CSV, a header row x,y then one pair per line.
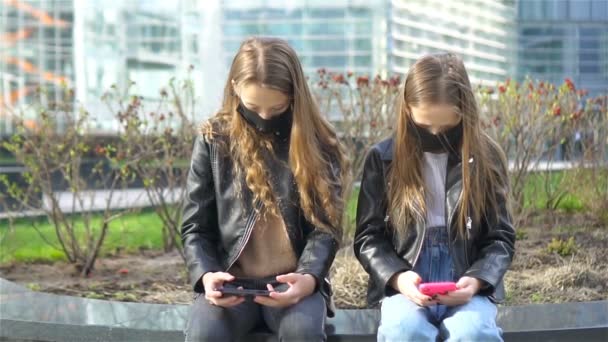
x,y
433,208
264,203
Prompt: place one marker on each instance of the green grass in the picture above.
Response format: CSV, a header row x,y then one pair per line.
x,y
540,183
129,233
535,194
135,231
351,212
582,189
7,160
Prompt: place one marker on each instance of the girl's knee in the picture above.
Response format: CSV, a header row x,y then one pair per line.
x,y
204,332
407,330
305,321
403,320
475,321
207,323
474,333
302,333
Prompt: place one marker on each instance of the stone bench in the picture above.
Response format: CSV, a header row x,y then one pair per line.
x,y
34,316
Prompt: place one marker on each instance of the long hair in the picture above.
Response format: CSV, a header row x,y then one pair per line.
x,y
271,62
443,79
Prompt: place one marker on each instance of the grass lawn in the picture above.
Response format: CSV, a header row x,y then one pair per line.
x,y
135,231
6,160
539,185
129,233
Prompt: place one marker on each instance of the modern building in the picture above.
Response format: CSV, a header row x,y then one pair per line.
x,y
135,45
36,48
480,31
94,44
343,35
564,38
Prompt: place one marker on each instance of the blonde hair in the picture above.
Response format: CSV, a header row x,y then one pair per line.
x,y
271,62
443,79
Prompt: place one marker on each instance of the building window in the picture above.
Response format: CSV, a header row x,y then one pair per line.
x,y
580,9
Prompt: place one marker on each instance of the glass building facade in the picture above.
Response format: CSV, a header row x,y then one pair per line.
x,y
139,45
336,35
91,46
564,38
481,32
94,44
36,49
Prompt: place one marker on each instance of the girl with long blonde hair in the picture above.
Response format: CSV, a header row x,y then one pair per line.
x,y
264,203
433,208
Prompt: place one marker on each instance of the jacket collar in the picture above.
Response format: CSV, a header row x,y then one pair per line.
x,y
386,151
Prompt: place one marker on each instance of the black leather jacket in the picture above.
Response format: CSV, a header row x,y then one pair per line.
x,y
486,252
217,224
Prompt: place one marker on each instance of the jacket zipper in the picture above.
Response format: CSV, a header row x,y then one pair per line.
x,y
386,222
468,227
449,217
251,221
419,247
466,252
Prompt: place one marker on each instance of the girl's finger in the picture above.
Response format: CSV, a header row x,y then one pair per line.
x,y
225,301
281,296
288,278
238,301
223,276
265,301
423,297
213,294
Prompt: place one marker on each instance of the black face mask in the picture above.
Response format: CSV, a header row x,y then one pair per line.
x,y
279,125
448,141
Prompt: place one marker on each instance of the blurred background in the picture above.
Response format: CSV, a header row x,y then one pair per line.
x,y
100,102
91,45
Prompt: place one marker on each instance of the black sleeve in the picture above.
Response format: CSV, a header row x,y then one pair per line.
x,y
318,255
372,244
199,229
321,247
496,243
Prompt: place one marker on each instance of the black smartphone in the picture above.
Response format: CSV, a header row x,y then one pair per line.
x,y
234,291
250,287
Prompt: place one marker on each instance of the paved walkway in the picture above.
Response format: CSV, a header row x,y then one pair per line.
x,y
96,200
137,198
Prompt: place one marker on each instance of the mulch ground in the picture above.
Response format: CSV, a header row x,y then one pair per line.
x,y
536,275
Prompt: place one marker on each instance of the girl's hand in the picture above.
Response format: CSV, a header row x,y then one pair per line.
x,y
212,281
407,284
467,288
300,286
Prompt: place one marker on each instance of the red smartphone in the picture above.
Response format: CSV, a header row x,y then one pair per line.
x,y
431,289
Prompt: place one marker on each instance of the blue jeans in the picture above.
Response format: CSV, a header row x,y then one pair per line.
x,y
403,320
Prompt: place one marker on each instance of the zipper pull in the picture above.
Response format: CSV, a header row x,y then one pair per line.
x,y
469,223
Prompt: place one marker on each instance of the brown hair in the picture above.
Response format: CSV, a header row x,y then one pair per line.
x,y
443,79
271,62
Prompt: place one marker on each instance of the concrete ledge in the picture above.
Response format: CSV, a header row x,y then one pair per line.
x,y
34,316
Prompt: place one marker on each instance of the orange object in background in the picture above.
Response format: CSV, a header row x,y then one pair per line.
x,y
41,15
32,69
17,93
12,37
